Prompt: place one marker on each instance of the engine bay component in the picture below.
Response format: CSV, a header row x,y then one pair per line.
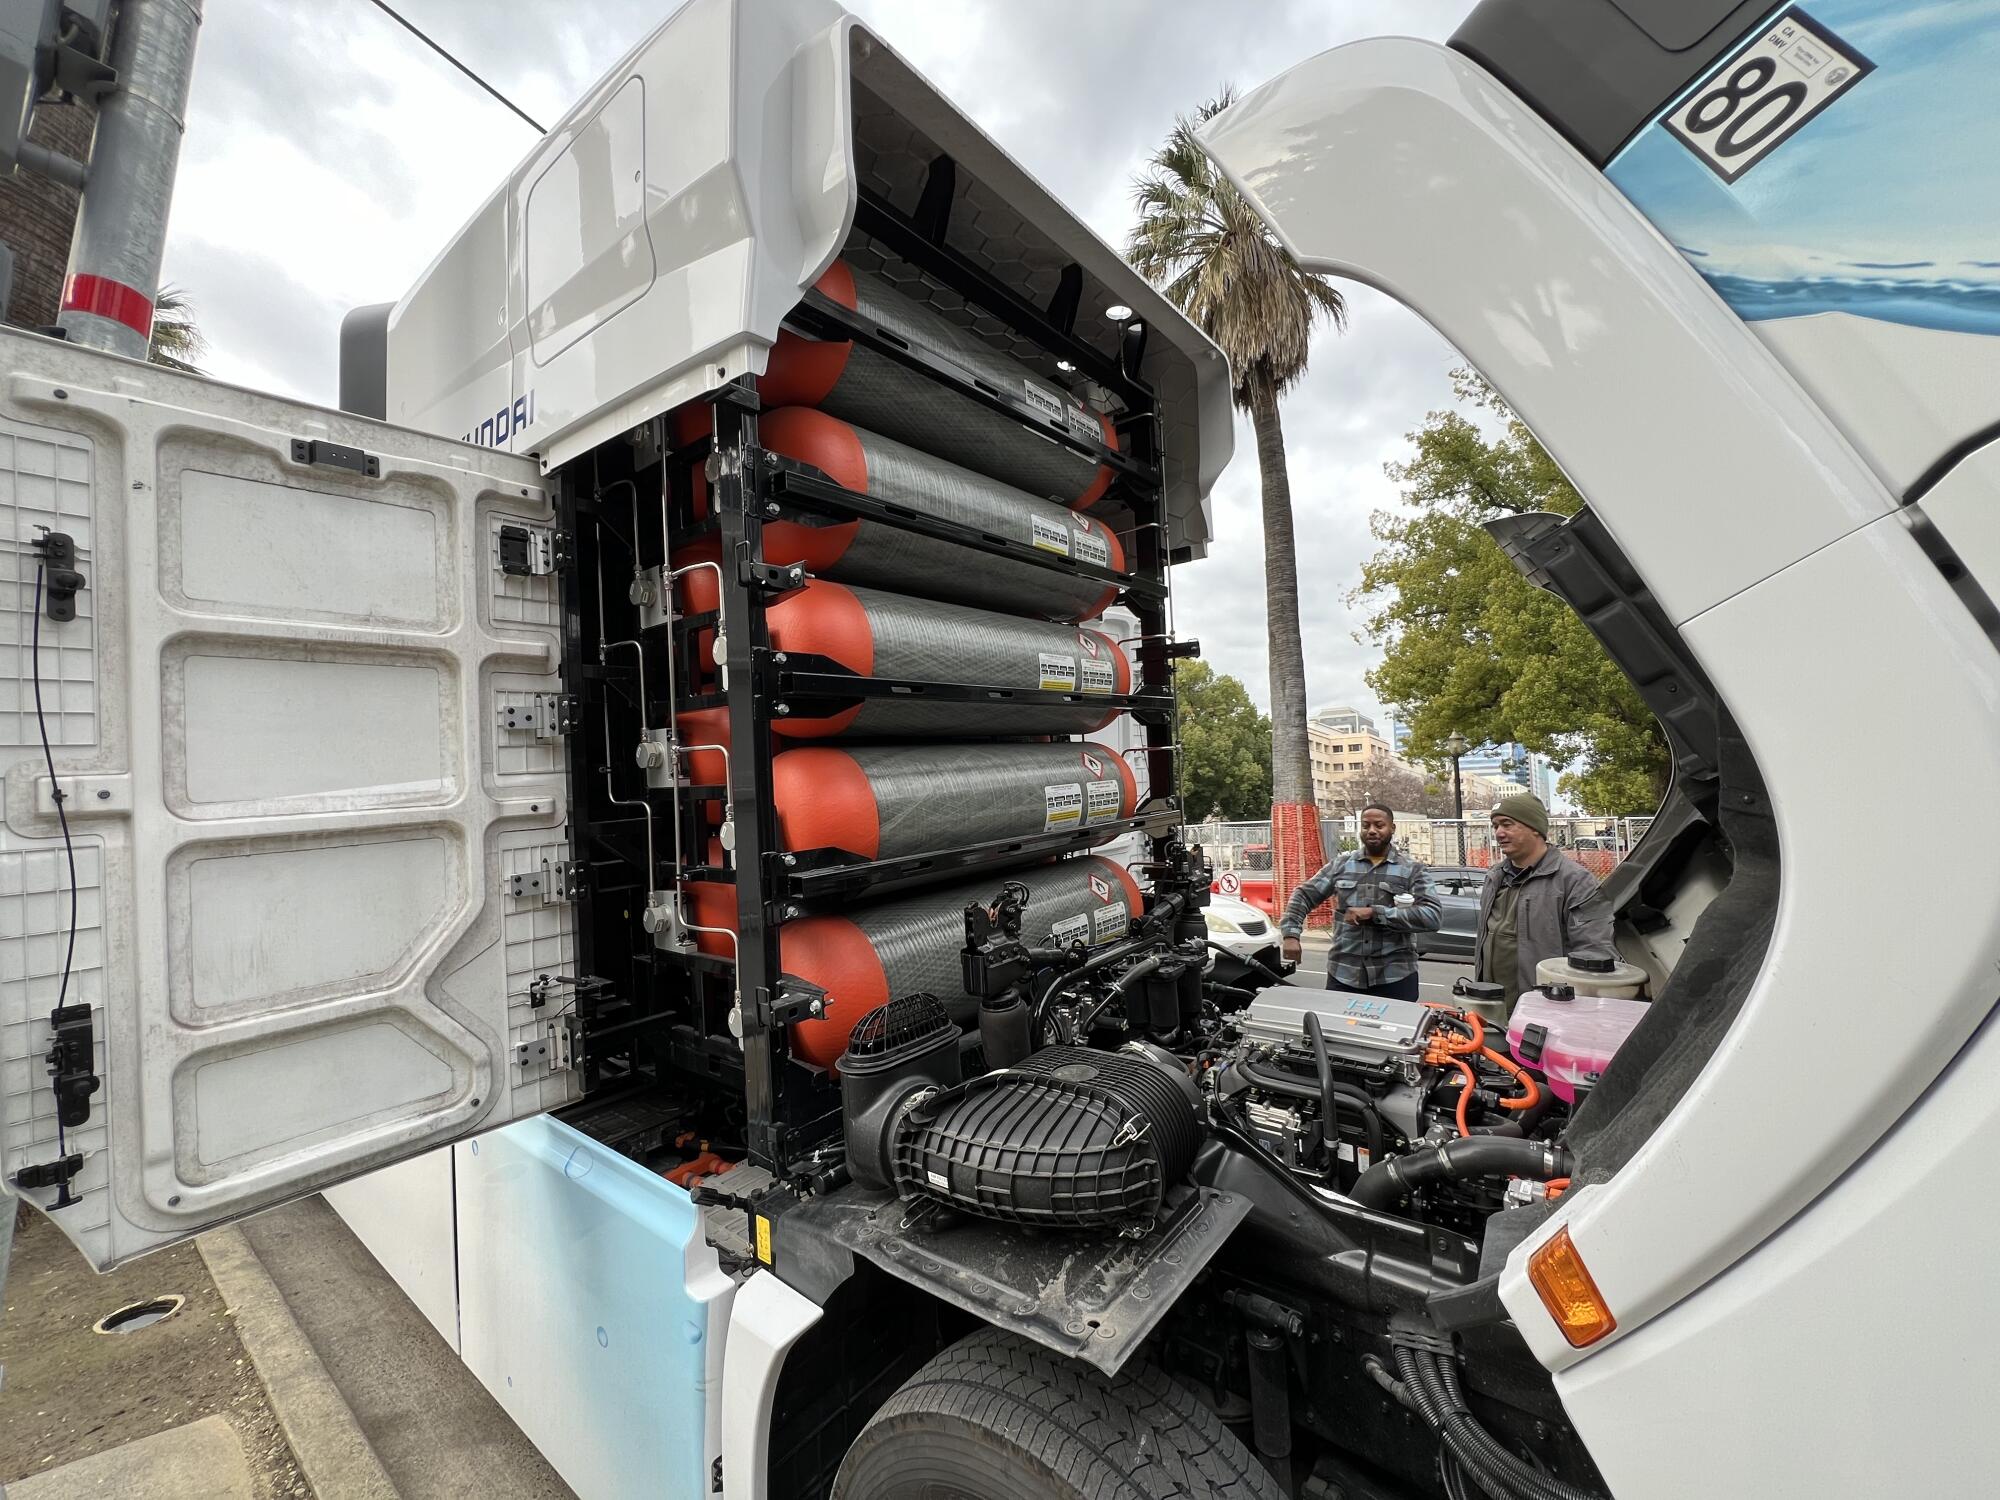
x,y
887,801
1570,1040
1072,1138
872,390
895,1052
874,555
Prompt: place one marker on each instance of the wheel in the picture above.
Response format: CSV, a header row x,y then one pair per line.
x,y
996,1417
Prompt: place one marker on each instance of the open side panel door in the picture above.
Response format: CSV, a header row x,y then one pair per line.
x,y
307,723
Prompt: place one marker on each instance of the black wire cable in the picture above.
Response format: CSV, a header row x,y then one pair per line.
x,y
58,796
413,31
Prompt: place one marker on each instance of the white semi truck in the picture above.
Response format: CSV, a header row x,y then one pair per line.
x,y
668,716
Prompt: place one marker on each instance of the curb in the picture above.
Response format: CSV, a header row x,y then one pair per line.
x,y
333,1453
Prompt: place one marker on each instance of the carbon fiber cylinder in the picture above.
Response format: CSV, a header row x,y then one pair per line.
x,y
911,944
893,801
886,557
874,391
876,634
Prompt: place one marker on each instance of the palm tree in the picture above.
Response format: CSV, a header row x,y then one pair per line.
x,y
1200,242
177,343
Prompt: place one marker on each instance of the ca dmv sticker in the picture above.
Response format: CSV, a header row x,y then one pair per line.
x,y
1765,93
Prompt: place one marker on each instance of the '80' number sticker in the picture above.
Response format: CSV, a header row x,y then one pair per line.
x,y
1760,97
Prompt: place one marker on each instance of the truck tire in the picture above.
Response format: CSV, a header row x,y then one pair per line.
x,y
996,1417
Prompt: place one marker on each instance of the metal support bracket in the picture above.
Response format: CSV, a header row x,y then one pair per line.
x,y
336,456
796,1000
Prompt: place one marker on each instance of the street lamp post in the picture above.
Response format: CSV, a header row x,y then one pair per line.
x,y
1456,746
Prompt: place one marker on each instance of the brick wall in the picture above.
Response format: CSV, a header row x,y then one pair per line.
x,y
38,217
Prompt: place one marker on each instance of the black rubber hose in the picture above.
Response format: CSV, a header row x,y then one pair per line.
x,y
1270,974
1467,1157
1298,1088
1538,1484
1425,1391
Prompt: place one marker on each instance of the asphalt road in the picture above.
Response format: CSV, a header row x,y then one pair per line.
x,y
1434,976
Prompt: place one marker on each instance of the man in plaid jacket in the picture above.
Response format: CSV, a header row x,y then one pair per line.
x,y
1382,899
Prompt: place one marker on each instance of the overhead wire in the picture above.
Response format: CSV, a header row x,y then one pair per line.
x,y
409,26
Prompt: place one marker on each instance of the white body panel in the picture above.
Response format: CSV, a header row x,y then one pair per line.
x,y
1909,394
767,1319
1777,549
275,721
406,1216
650,246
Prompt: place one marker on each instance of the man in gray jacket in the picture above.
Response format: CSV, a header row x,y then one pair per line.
x,y
1537,903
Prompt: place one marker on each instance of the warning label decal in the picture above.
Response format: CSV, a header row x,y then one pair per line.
x,y
1058,673
1062,806
1050,535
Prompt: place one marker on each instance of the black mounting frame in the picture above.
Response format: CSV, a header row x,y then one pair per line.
x,y
715,1011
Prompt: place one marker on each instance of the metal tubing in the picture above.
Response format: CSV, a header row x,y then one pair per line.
x,y
121,229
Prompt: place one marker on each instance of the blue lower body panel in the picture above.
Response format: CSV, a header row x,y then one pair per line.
x,y
588,1304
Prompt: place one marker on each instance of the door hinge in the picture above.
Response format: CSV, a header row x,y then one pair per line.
x,y
557,882
554,1049
532,551
336,456
72,1051
544,715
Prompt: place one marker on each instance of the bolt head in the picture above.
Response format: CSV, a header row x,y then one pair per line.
x,y
642,592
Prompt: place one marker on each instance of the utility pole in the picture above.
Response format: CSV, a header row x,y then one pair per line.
x,y
1457,745
121,230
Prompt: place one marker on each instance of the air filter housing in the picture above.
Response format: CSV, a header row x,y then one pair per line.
x,y
894,1053
1071,1139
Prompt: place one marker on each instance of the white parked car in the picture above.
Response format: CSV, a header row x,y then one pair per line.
x,y
1238,927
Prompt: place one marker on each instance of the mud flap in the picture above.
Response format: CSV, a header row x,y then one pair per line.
x,y
1089,1297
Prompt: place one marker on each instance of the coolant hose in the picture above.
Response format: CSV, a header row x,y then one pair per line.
x,y
1371,1122
1469,1157
1298,1088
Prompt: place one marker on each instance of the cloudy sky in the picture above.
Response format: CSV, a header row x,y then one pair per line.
x,y
329,156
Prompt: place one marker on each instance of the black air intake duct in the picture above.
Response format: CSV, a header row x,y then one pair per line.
x,y
894,1053
1071,1139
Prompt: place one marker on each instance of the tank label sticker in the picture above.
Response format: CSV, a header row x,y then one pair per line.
x,y
1103,801
1058,673
1098,676
1049,535
1070,930
1759,98
1108,923
1099,887
1047,402
1092,548
1062,806
1092,764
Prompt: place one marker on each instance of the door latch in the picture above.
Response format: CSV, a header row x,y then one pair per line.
x,y
527,551
60,579
71,1055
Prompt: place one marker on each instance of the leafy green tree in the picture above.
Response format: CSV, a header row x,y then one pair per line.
x,y
1225,745
1469,645
1199,240
176,343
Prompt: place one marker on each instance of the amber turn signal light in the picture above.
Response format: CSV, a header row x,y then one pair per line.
x,y
1566,1290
